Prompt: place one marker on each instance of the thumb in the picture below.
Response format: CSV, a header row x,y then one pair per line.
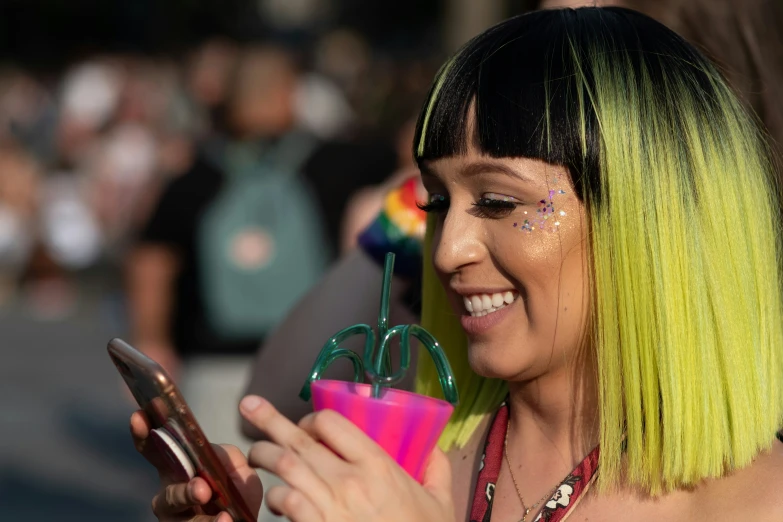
x,y
437,476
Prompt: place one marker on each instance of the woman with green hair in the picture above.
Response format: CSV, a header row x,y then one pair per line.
x,y
604,238
646,318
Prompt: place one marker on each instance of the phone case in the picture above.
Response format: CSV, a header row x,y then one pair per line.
x,y
176,431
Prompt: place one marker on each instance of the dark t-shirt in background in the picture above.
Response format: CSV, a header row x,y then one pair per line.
x,y
334,172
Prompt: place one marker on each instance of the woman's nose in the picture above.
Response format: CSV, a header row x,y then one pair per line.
x,y
457,242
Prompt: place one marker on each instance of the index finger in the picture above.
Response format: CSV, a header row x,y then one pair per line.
x,y
280,430
341,435
336,432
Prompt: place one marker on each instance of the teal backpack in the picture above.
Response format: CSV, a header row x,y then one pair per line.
x,y
261,245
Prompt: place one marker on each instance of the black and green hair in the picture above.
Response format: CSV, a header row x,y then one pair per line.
x,y
683,231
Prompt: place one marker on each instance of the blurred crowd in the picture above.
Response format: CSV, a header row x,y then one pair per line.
x,y
86,153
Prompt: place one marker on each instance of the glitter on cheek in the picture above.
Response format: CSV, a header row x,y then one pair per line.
x,y
545,210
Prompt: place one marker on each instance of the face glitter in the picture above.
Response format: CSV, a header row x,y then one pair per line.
x,y
545,210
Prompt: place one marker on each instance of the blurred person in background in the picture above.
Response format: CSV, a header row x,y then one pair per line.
x,y
207,83
146,142
88,99
167,274
121,172
19,184
28,114
238,238
69,238
117,112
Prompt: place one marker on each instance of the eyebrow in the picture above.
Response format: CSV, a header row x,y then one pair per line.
x,y
482,167
489,167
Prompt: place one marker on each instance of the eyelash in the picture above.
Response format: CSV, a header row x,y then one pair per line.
x,y
493,208
435,206
488,208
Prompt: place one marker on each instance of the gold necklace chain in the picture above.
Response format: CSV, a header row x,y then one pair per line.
x,y
516,486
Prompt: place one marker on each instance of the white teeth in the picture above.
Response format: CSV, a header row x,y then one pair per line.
x,y
487,312
482,304
486,302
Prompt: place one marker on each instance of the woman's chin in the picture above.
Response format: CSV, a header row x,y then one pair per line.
x,y
495,366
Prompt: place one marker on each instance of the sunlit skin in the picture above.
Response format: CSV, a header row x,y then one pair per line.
x,y
479,250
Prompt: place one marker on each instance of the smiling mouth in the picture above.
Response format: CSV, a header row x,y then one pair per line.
x,y
479,305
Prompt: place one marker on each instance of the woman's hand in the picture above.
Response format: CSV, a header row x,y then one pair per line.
x,y
334,472
182,501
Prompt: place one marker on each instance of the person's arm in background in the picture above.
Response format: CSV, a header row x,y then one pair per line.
x,y
151,273
350,293
156,260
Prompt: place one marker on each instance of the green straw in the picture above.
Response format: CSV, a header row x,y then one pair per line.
x,y
375,364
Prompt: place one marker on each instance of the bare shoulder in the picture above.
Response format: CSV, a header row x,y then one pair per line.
x,y
465,463
752,493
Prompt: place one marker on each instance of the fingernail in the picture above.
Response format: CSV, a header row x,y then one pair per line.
x,y
251,403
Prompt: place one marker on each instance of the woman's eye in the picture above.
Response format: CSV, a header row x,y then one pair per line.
x,y
494,206
436,203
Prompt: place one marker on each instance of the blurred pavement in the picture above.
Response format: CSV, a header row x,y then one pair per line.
x,y
65,449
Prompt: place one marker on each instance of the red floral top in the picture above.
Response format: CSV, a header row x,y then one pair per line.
x,y
565,497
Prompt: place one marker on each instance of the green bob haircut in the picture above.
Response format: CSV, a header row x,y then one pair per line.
x,y
678,184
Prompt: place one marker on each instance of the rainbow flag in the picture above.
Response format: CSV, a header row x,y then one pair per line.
x,y
399,228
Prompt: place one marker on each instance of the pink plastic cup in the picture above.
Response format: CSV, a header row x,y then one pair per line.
x,y
406,425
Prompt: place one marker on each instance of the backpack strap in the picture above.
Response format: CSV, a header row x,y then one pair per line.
x,y
289,154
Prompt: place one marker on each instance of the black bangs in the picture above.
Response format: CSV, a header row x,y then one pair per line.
x,y
521,82
515,77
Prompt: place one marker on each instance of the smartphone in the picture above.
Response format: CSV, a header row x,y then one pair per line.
x,y
182,443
